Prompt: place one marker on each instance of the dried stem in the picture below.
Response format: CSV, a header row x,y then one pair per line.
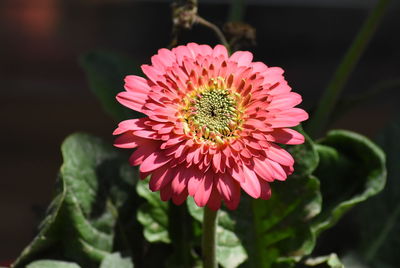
x,y
216,30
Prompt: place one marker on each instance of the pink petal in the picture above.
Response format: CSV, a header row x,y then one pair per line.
x,y
237,145
253,143
154,161
279,172
286,136
246,153
295,114
143,176
220,50
217,161
135,83
180,181
131,100
237,173
214,203
204,190
152,73
205,50
259,67
251,184
126,140
281,88
166,192
243,58
147,134
231,192
178,199
279,155
265,190
197,156
142,152
166,129
160,178
132,124
194,182
172,142
253,124
264,169
289,118
284,101
194,49
165,58
228,187
181,52
233,204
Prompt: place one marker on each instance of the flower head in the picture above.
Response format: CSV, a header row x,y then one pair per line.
x,y
212,125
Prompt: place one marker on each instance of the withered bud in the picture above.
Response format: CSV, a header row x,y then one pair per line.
x,y
240,34
184,14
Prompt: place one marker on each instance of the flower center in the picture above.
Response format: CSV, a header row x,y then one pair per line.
x,y
211,113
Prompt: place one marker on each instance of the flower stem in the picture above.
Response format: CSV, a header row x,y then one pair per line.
x,y
180,223
209,238
328,100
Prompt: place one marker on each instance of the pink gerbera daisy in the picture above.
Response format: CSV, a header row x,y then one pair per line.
x,y
212,125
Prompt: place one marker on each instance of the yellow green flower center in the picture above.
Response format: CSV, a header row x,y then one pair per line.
x,y
212,113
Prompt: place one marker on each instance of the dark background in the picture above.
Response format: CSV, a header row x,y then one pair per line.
x,y
44,95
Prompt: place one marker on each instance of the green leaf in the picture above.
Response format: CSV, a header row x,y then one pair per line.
x,y
230,251
153,215
95,182
351,169
331,260
379,218
105,72
116,261
52,264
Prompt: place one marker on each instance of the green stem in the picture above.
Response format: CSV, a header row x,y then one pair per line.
x,y
236,10
209,238
181,235
328,100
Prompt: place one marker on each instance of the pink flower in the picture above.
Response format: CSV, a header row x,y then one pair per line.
x,y
212,125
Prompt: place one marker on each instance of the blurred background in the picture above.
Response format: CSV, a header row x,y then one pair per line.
x,y
44,94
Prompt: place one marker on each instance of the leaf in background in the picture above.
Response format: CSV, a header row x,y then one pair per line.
x,y
94,184
153,215
52,264
351,169
383,89
230,252
379,218
353,260
331,260
116,261
305,156
166,223
106,72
